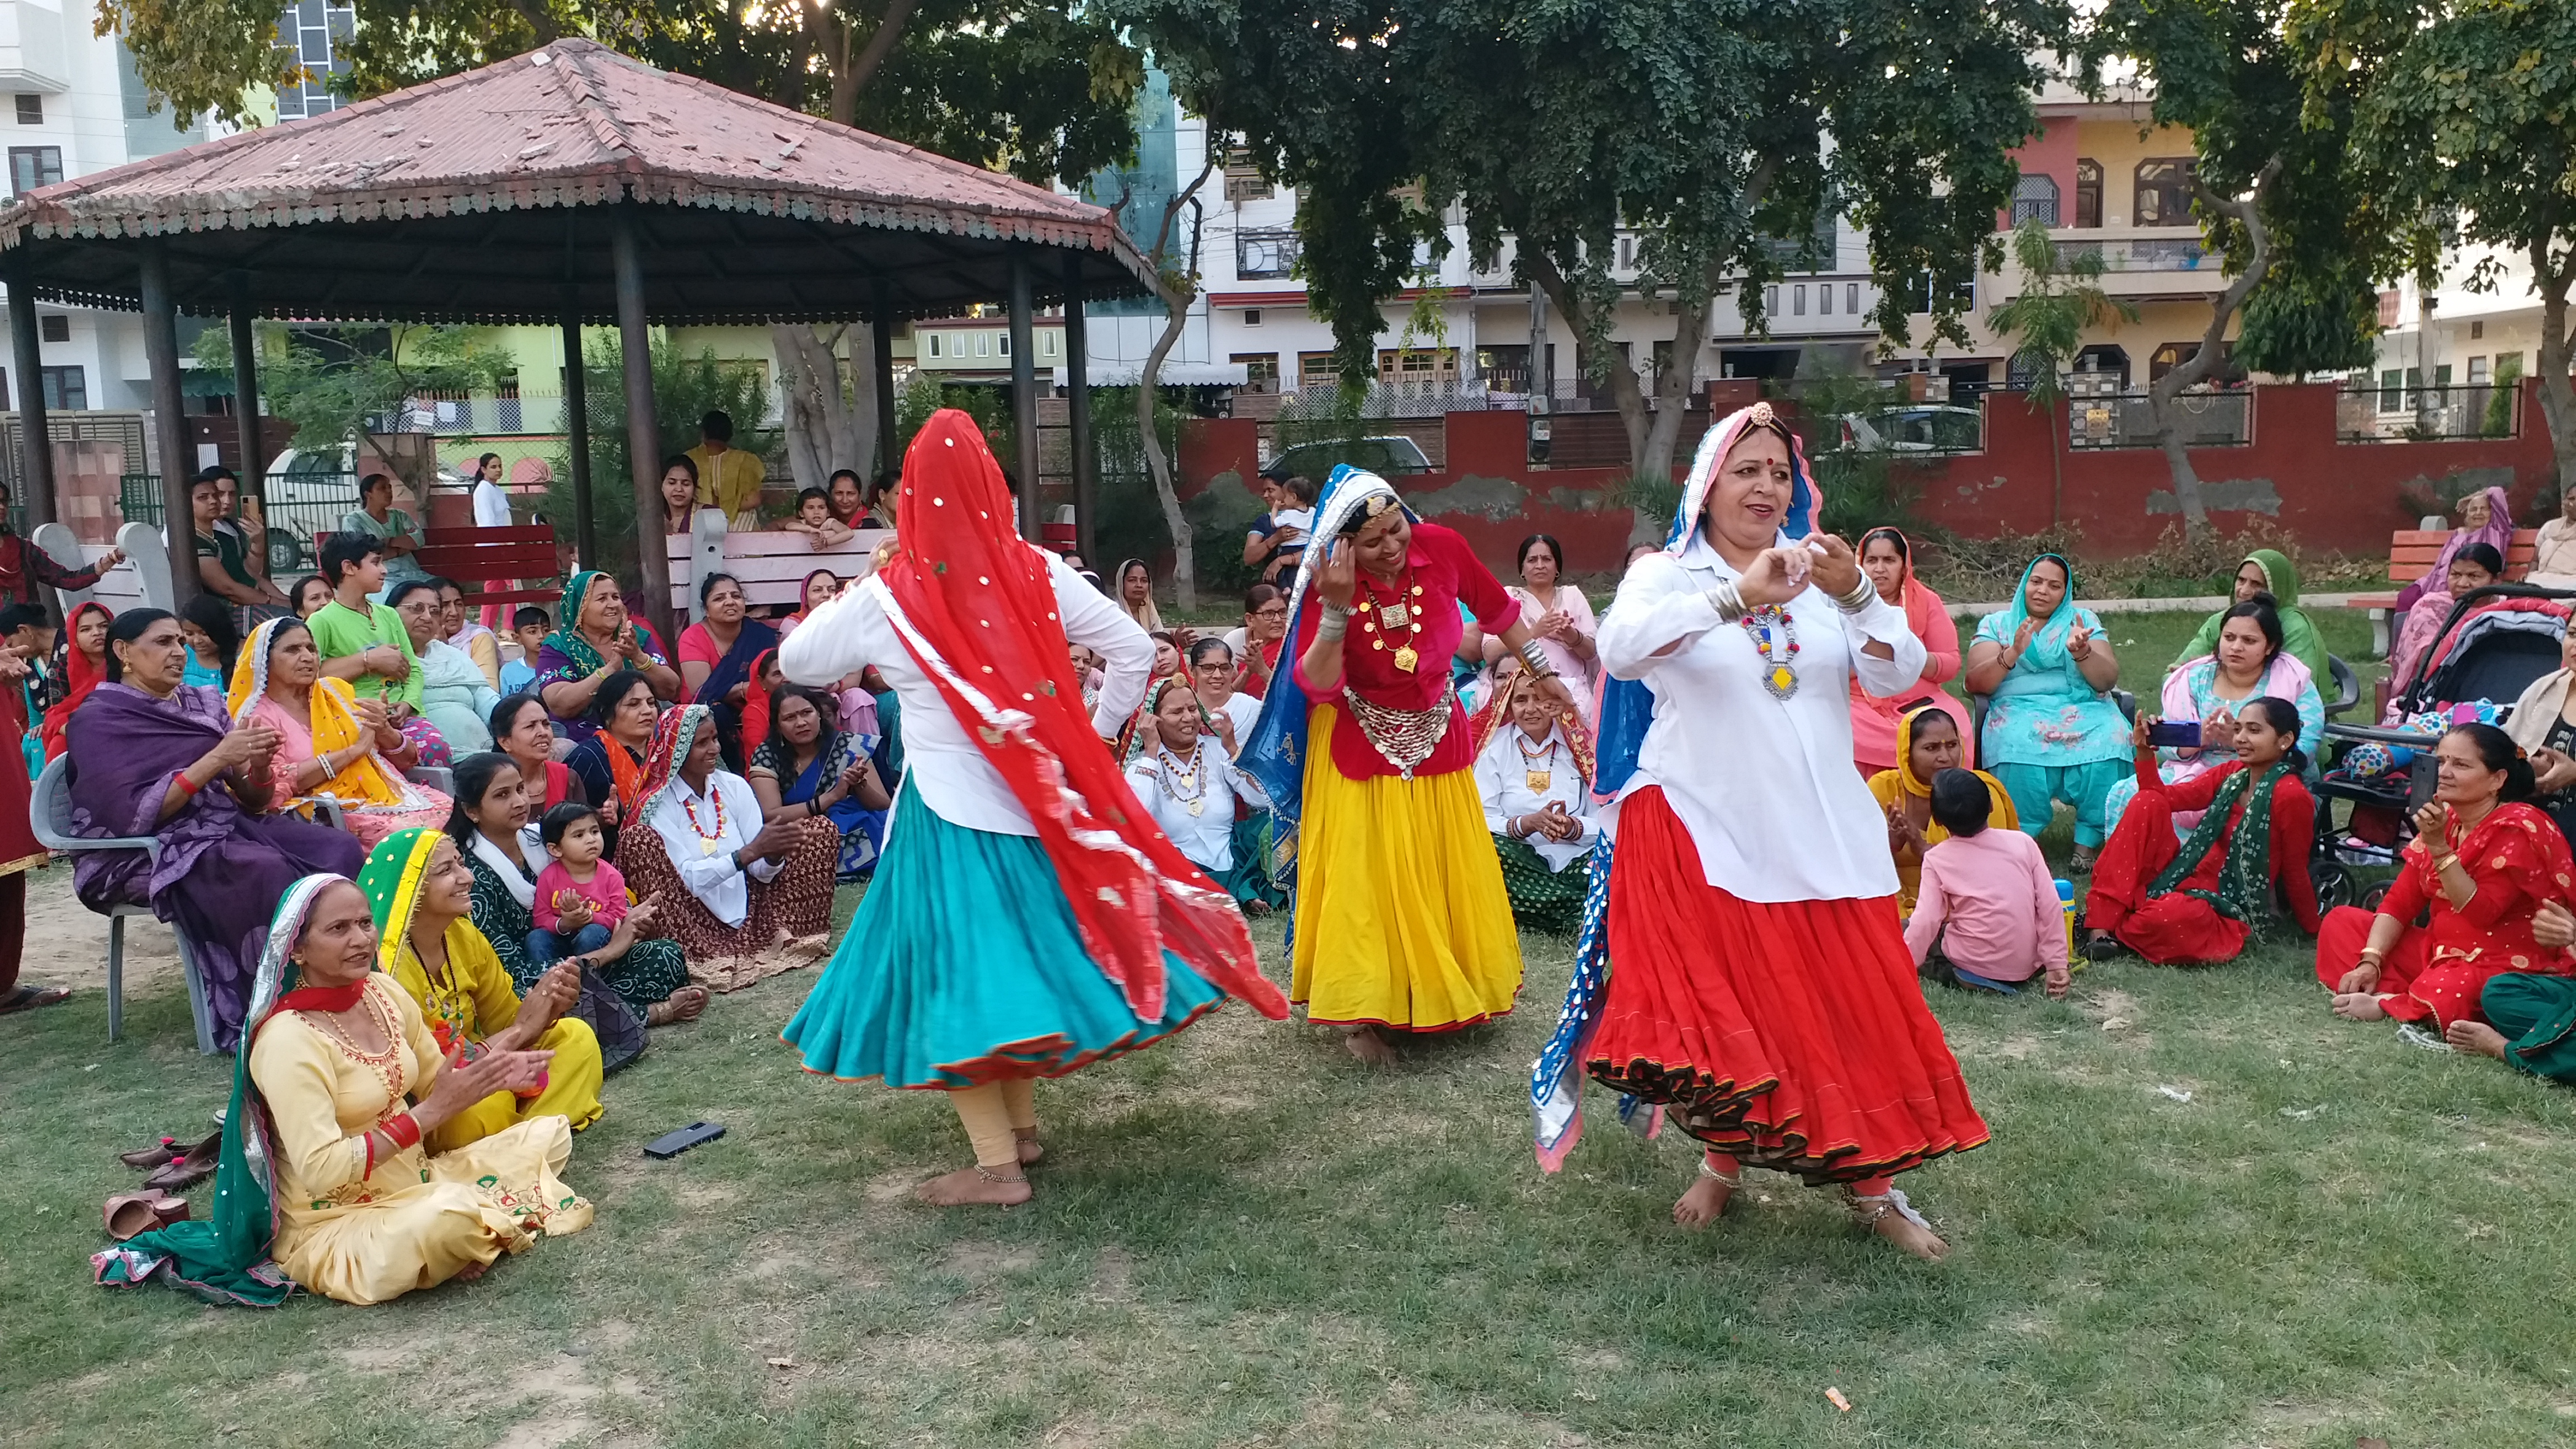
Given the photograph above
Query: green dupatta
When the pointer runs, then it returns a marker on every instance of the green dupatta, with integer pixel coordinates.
(2245, 876)
(224, 1257)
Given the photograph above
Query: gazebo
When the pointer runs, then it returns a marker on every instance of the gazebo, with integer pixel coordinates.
(564, 186)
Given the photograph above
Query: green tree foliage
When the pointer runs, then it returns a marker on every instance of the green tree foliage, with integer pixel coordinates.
(685, 389)
(2466, 111)
(1702, 127)
(333, 383)
(1040, 89)
(2274, 192)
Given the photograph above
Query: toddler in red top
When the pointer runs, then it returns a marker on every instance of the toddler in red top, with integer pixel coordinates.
(580, 897)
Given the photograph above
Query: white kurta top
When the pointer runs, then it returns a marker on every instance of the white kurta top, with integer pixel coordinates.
(1502, 779)
(1766, 787)
(940, 758)
(1207, 838)
(491, 505)
(711, 876)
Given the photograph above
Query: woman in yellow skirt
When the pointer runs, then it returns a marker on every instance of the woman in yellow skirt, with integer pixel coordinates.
(1401, 922)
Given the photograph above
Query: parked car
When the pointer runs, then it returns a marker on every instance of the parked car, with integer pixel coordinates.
(1922, 428)
(1388, 457)
(307, 494)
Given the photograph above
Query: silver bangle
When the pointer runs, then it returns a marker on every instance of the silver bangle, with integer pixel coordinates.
(1858, 597)
(1334, 624)
(1728, 601)
(1536, 660)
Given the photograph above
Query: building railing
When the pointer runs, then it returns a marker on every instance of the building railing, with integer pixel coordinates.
(2128, 420)
(474, 415)
(2443, 412)
(2142, 254)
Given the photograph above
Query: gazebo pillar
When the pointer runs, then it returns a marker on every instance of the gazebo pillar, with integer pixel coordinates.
(576, 396)
(643, 434)
(1077, 413)
(881, 336)
(36, 449)
(1024, 396)
(169, 425)
(246, 428)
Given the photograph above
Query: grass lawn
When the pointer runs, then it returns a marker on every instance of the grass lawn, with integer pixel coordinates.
(1243, 1238)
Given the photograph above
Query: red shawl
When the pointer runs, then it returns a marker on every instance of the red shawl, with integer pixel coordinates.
(85, 677)
(976, 609)
(755, 705)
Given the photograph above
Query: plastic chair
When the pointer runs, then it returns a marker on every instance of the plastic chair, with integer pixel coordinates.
(50, 813)
(2347, 686)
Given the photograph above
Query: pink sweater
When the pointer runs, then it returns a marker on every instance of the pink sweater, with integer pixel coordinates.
(605, 890)
(1989, 902)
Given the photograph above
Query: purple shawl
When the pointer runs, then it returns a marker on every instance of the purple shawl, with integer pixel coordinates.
(125, 746)
(2498, 532)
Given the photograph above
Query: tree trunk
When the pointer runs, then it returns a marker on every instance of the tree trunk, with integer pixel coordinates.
(1177, 288)
(830, 424)
(2557, 393)
(2161, 399)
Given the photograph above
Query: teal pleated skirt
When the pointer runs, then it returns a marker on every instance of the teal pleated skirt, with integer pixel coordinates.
(963, 967)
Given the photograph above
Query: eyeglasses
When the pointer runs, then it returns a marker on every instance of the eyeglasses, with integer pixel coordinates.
(1272, 611)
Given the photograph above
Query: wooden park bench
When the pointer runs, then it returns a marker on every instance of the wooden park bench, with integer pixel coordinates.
(772, 566)
(2411, 552)
(473, 557)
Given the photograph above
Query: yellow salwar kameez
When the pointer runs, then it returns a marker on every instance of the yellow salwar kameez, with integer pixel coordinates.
(1410, 921)
(421, 1216)
(1889, 787)
(470, 998)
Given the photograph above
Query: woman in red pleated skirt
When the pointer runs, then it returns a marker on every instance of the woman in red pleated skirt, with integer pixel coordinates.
(1759, 982)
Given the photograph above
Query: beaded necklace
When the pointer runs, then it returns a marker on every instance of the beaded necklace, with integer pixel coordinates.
(1189, 786)
(708, 842)
(1536, 778)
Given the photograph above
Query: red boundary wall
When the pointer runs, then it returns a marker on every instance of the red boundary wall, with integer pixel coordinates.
(2334, 496)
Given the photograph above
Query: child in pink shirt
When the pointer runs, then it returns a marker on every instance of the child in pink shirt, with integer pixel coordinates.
(1988, 916)
(580, 898)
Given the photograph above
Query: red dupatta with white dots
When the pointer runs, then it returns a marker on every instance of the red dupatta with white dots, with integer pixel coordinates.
(976, 609)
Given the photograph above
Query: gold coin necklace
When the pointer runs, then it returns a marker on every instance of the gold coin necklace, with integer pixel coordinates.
(1391, 615)
(1538, 771)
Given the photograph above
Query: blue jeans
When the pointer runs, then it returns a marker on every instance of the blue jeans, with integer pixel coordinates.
(547, 947)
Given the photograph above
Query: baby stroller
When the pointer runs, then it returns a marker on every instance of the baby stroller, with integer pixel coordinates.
(2497, 640)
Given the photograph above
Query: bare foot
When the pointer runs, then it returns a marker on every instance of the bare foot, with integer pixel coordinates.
(2358, 1006)
(1369, 1045)
(2476, 1036)
(2081, 862)
(1703, 1204)
(1030, 1151)
(684, 1004)
(970, 1185)
(1920, 1241)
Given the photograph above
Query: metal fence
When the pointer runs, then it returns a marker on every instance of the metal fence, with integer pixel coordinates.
(2127, 420)
(2396, 413)
(464, 415)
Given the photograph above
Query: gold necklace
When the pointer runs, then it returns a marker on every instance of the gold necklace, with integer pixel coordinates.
(1537, 779)
(1193, 781)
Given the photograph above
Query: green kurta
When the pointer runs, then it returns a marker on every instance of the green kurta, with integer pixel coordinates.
(340, 631)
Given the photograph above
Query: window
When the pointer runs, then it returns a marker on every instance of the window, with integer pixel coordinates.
(34, 166)
(983, 344)
(2477, 331)
(1851, 297)
(1771, 301)
(2397, 388)
(1314, 369)
(1627, 252)
(66, 388)
(1825, 300)
(1260, 254)
(1798, 300)
(31, 110)
(54, 327)
(934, 343)
(1251, 316)
(2164, 191)
(1002, 343)
(309, 33)
(1260, 370)
(1046, 343)
(2388, 309)
(2088, 192)
(1246, 185)
(2035, 199)
(2477, 372)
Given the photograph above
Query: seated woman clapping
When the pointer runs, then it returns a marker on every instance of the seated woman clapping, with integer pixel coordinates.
(329, 742)
(330, 1181)
(423, 898)
(2483, 863)
(1534, 770)
(1189, 784)
(2196, 902)
(744, 897)
(1927, 742)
